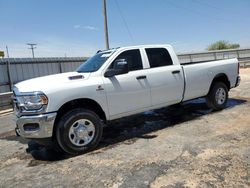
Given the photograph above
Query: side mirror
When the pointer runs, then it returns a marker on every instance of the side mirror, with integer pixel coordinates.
(120, 67)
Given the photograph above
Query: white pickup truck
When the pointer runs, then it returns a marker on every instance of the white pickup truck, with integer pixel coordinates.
(71, 108)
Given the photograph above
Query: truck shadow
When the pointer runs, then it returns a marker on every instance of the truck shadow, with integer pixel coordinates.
(141, 126)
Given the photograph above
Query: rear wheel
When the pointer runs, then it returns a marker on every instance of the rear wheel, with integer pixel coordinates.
(217, 96)
(79, 131)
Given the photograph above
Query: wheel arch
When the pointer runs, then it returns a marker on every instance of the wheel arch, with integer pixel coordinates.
(221, 77)
(86, 103)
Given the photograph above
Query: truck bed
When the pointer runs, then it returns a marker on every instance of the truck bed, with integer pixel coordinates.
(199, 76)
(197, 62)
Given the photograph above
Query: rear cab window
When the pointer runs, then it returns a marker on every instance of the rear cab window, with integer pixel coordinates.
(158, 57)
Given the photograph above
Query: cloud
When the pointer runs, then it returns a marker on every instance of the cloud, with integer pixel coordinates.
(77, 26)
(91, 27)
(88, 27)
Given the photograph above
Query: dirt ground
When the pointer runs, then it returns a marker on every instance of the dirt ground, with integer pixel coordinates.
(180, 146)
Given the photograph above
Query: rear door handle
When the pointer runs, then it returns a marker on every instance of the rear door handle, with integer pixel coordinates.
(176, 72)
(141, 77)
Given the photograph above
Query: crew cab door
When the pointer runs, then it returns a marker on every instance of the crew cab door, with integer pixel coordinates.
(128, 92)
(165, 79)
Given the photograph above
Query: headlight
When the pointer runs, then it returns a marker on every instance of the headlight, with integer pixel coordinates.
(32, 101)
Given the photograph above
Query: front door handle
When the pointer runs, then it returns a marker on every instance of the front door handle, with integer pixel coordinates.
(141, 77)
(176, 72)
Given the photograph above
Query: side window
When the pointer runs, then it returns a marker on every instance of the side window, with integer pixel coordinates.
(158, 57)
(133, 57)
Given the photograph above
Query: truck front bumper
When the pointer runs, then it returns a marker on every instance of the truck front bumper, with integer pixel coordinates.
(36, 126)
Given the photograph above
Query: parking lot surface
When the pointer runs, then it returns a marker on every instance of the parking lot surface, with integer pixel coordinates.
(186, 145)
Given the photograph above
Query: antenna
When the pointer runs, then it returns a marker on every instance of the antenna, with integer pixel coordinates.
(32, 47)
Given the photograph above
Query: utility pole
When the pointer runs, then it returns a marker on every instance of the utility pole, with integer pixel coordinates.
(7, 52)
(32, 47)
(8, 69)
(105, 24)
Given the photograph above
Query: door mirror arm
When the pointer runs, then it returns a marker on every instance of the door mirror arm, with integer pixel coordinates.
(110, 73)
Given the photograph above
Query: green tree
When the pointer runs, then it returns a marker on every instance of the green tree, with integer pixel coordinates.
(222, 45)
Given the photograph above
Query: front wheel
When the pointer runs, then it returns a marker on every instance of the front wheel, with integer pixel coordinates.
(217, 96)
(79, 131)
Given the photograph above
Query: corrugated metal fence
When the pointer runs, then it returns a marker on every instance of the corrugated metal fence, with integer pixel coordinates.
(13, 70)
(242, 55)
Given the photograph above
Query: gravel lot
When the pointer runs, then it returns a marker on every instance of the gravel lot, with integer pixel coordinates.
(184, 146)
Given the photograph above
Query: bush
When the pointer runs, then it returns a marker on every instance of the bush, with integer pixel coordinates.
(222, 45)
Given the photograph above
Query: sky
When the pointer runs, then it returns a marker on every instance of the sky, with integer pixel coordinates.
(76, 27)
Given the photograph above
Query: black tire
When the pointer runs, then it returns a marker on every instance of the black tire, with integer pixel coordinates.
(212, 99)
(65, 124)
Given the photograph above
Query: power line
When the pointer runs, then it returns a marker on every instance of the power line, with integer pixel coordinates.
(124, 21)
(32, 47)
(219, 10)
(207, 5)
(195, 12)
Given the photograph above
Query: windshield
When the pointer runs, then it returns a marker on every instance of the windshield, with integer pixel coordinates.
(95, 62)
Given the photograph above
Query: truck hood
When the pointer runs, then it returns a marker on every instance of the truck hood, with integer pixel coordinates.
(47, 83)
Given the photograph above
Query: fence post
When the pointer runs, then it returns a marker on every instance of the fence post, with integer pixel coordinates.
(215, 57)
(238, 54)
(60, 67)
(190, 57)
(9, 74)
